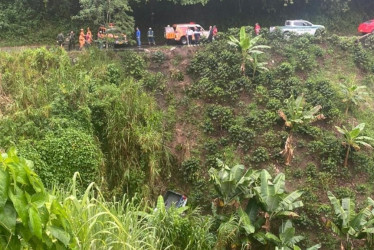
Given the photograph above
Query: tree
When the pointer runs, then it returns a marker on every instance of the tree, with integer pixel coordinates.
(107, 11)
(297, 115)
(247, 46)
(352, 93)
(348, 224)
(353, 140)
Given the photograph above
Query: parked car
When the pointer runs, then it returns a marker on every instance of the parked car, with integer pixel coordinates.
(299, 27)
(366, 27)
(178, 32)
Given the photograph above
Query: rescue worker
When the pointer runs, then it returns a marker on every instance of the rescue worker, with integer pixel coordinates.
(60, 39)
(189, 36)
(89, 36)
(82, 39)
(210, 36)
(151, 38)
(71, 40)
(257, 29)
(196, 34)
(137, 35)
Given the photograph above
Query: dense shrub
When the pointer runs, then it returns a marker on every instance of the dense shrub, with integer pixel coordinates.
(242, 136)
(190, 168)
(133, 64)
(158, 57)
(360, 57)
(67, 151)
(321, 92)
(260, 155)
(154, 81)
(221, 116)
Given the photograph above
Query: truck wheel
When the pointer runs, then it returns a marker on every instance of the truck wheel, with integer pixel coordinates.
(184, 40)
(318, 33)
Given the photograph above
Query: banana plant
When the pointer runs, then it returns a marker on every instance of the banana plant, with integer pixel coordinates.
(247, 46)
(257, 66)
(232, 183)
(353, 140)
(286, 240)
(297, 115)
(353, 94)
(350, 225)
(273, 199)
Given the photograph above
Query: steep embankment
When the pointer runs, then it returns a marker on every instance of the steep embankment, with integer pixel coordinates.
(218, 113)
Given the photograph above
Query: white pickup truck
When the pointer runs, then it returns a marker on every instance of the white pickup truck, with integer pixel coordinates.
(299, 27)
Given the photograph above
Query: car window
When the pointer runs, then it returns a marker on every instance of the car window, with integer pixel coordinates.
(307, 24)
(298, 23)
(288, 23)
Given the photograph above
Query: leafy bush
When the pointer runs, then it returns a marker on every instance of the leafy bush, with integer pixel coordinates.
(321, 92)
(242, 136)
(113, 74)
(158, 57)
(285, 70)
(261, 94)
(190, 169)
(260, 155)
(305, 61)
(360, 57)
(221, 116)
(68, 151)
(133, 64)
(153, 82)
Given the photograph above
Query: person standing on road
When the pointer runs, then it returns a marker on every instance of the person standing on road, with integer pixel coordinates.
(257, 29)
(151, 37)
(137, 35)
(89, 36)
(189, 36)
(71, 40)
(215, 31)
(210, 36)
(82, 40)
(197, 35)
(60, 39)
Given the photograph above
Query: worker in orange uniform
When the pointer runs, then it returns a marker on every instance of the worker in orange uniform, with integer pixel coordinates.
(82, 39)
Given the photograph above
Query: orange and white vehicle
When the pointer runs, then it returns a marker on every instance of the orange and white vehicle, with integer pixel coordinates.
(178, 32)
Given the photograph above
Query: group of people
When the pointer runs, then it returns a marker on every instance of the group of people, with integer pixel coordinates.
(84, 39)
(193, 36)
(150, 35)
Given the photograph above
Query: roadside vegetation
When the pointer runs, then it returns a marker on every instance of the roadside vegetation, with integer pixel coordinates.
(273, 156)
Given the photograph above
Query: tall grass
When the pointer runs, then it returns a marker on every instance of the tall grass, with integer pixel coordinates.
(131, 223)
(98, 224)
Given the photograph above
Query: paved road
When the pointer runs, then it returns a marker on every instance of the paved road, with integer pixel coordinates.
(20, 48)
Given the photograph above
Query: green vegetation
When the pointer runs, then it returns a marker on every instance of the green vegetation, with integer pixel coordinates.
(135, 124)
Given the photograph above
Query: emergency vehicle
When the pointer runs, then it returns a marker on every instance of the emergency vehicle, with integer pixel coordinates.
(111, 35)
(178, 32)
